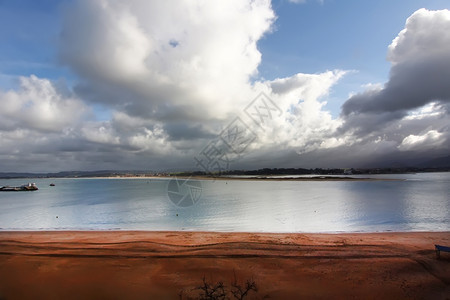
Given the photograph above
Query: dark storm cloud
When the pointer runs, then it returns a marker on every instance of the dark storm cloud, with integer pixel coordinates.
(183, 131)
(412, 84)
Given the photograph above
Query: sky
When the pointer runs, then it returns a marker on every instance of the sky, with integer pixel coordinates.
(216, 85)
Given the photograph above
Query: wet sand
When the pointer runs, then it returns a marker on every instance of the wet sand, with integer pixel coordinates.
(170, 265)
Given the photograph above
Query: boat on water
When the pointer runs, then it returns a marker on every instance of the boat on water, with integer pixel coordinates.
(25, 187)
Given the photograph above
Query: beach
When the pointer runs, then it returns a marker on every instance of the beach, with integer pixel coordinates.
(172, 265)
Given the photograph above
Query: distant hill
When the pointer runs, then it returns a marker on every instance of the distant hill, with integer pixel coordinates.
(436, 165)
(72, 174)
(20, 175)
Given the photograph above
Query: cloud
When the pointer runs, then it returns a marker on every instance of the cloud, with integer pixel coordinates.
(37, 124)
(40, 105)
(172, 76)
(166, 60)
(186, 70)
(304, 125)
(430, 139)
(420, 57)
(411, 108)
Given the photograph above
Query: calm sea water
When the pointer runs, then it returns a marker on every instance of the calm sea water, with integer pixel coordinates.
(419, 203)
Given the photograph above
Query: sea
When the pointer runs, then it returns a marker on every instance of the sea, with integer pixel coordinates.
(403, 202)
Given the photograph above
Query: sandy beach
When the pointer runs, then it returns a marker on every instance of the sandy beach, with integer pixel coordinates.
(171, 265)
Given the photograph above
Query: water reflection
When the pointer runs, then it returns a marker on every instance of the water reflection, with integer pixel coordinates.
(422, 202)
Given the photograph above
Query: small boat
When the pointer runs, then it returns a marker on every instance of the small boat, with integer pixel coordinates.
(52, 184)
(25, 187)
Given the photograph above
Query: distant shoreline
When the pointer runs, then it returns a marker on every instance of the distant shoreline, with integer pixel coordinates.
(259, 174)
(234, 178)
(309, 178)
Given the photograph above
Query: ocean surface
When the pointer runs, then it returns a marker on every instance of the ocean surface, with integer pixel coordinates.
(418, 202)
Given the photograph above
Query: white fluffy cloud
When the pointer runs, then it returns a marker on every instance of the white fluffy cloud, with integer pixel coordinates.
(430, 139)
(166, 59)
(425, 37)
(304, 124)
(39, 105)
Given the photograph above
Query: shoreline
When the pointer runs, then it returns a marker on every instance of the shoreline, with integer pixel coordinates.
(167, 264)
(136, 176)
(311, 178)
(255, 178)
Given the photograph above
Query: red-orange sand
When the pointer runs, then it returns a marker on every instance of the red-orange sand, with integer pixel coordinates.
(170, 265)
